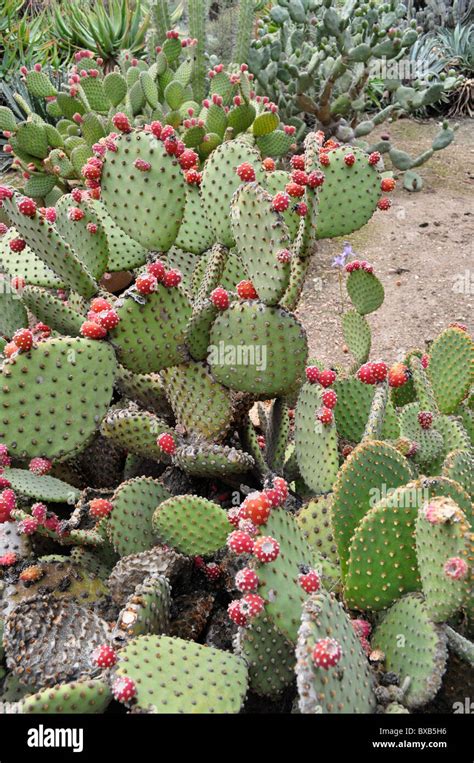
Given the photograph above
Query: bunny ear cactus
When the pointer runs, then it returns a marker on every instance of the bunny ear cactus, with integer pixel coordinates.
(443, 547)
(332, 672)
(196, 378)
(172, 675)
(414, 647)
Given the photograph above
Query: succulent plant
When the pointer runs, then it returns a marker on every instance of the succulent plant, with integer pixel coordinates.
(239, 476)
(316, 62)
(203, 106)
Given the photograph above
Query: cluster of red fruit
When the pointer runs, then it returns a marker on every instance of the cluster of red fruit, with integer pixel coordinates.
(101, 318)
(325, 378)
(156, 273)
(123, 688)
(40, 516)
(359, 265)
(24, 339)
(16, 244)
(248, 518)
(7, 496)
(375, 372)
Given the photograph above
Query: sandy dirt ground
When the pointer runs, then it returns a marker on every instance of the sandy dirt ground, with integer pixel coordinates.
(422, 251)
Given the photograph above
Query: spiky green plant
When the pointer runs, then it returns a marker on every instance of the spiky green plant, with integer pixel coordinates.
(175, 388)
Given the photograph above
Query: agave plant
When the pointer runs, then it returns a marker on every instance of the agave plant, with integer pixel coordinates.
(449, 51)
(105, 29)
(25, 38)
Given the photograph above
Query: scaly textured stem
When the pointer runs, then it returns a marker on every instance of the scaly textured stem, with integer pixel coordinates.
(373, 428)
(244, 31)
(460, 645)
(197, 30)
(161, 20)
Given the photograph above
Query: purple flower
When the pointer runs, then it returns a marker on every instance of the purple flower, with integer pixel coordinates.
(340, 260)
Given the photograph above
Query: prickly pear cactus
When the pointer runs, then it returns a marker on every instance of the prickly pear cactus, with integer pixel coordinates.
(345, 687)
(172, 675)
(413, 647)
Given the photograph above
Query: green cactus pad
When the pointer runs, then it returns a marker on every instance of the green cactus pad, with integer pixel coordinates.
(460, 645)
(216, 120)
(31, 137)
(115, 88)
(135, 430)
(151, 332)
(269, 656)
(260, 233)
(276, 143)
(414, 647)
(348, 687)
(123, 252)
(429, 441)
(97, 561)
(72, 381)
(451, 368)
(316, 443)
(246, 344)
(354, 400)
(357, 335)
(220, 180)
(354, 493)
(195, 234)
(382, 563)
(199, 328)
(52, 311)
(39, 85)
(135, 199)
(41, 488)
(92, 129)
(185, 262)
(47, 244)
(459, 466)
(435, 544)
(422, 385)
(146, 389)
(212, 272)
(455, 436)
(91, 248)
(26, 264)
(146, 611)
(38, 185)
(200, 405)
(177, 676)
(130, 527)
(212, 460)
(191, 525)
(7, 119)
(349, 196)
(276, 435)
(77, 697)
(279, 584)
(365, 290)
(274, 182)
(13, 315)
(315, 522)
